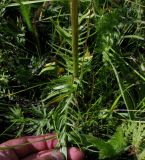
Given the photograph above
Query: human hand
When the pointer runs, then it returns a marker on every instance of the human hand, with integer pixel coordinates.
(36, 148)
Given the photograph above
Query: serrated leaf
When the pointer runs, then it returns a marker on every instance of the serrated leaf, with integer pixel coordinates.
(141, 156)
(118, 141)
(105, 149)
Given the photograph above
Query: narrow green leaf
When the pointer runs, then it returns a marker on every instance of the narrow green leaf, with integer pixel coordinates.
(50, 68)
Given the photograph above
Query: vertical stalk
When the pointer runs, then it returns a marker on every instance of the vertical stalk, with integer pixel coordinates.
(74, 24)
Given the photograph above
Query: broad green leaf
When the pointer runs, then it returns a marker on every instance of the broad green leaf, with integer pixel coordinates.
(105, 149)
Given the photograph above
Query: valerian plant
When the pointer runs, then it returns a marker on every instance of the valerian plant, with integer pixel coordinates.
(78, 68)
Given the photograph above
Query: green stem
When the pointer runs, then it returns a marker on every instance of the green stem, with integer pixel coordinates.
(74, 24)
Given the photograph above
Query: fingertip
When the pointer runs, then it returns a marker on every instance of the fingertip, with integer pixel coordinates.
(75, 154)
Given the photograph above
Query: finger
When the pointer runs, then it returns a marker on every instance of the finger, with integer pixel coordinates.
(7, 154)
(73, 154)
(30, 144)
(43, 142)
(46, 155)
(17, 145)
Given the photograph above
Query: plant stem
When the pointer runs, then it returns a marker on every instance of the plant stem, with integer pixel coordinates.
(74, 24)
